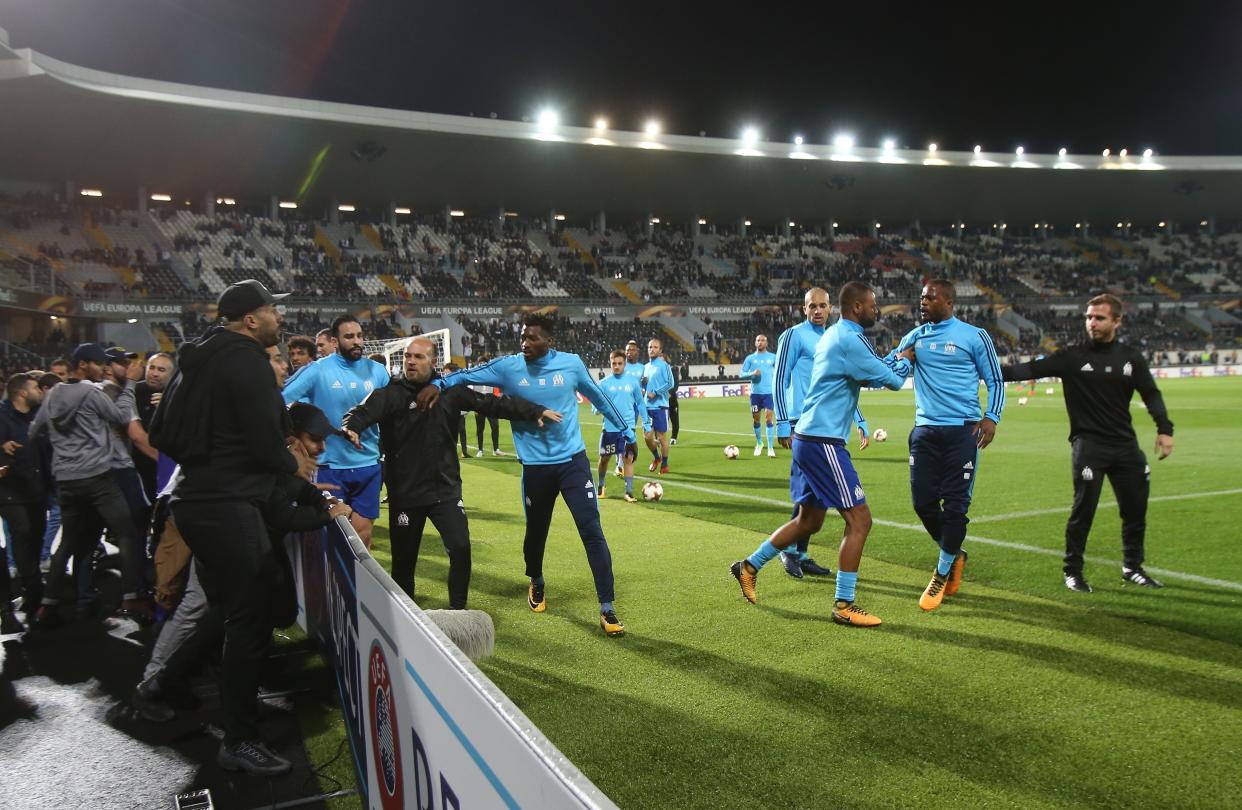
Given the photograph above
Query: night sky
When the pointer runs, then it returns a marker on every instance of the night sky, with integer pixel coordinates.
(1085, 76)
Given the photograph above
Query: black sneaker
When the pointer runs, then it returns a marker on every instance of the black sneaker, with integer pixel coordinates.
(1137, 576)
(10, 625)
(1077, 582)
(792, 563)
(149, 703)
(809, 566)
(253, 757)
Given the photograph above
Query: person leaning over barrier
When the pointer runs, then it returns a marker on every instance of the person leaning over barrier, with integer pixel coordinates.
(423, 472)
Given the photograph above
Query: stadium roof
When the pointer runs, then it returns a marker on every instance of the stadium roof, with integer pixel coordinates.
(117, 133)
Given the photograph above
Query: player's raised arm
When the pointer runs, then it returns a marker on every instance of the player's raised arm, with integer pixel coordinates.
(867, 366)
(1053, 366)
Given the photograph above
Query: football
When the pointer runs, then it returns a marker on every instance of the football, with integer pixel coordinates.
(653, 491)
(731, 451)
(880, 434)
(1021, 400)
(1050, 391)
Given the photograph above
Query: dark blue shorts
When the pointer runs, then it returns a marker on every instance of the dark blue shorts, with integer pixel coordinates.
(611, 443)
(760, 402)
(359, 487)
(657, 419)
(822, 474)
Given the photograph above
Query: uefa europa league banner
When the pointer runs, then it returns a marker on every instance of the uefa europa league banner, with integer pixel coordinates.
(426, 727)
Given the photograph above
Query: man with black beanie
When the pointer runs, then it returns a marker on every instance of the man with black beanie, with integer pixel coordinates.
(222, 419)
(1100, 376)
(423, 472)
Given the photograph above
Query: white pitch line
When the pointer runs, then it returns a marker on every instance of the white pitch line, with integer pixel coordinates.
(1103, 504)
(972, 538)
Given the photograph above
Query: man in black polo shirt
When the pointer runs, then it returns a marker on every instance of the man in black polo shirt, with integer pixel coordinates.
(1100, 376)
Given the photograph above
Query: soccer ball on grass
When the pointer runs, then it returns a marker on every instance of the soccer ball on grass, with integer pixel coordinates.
(731, 451)
(880, 434)
(1021, 400)
(653, 491)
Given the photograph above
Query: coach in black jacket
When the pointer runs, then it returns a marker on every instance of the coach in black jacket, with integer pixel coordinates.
(421, 467)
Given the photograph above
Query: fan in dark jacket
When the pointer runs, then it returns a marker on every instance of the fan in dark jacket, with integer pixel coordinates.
(23, 495)
(422, 471)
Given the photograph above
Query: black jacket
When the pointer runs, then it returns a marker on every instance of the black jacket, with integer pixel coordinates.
(1099, 379)
(26, 481)
(222, 419)
(420, 447)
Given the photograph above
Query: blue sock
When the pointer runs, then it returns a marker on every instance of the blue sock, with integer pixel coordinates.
(603, 478)
(757, 439)
(655, 454)
(663, 461)
(763, 554)
(629, 485)
(945, 563)
(771, 444)
(539, 579)
(802, 555)
(604, 607)
(846, 582)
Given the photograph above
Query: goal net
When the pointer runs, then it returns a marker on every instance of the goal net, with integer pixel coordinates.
(393, 350)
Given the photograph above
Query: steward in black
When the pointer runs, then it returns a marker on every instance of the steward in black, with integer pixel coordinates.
(1100, 377)
(421, 468)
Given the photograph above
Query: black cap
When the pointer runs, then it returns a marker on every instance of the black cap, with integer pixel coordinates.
(307, 418)
(117, 354)
(245, 296)
(90, 353)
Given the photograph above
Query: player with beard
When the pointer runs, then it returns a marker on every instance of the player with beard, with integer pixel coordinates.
(159, 371)
(335, 384)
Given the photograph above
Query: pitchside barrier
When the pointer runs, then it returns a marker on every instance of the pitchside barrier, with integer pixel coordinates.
(426, 727)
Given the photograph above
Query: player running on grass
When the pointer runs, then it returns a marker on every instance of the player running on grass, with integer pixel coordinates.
(554, 459)
(626, 395)
(795, 355)
(948, 434)
(760, 367)
(825, 479)
(634, 370)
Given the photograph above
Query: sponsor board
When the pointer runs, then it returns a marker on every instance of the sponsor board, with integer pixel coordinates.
(426, 727)
(121, 308)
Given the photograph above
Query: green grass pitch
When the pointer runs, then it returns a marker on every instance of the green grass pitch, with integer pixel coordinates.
(1015, 693)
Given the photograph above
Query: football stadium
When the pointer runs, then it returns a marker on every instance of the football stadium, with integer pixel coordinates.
(359, 454)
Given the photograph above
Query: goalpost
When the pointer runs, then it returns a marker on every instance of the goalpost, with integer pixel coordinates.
(394, 349)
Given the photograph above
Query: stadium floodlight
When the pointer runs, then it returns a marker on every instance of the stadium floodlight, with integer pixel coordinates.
(91, 192)
(1123, 153)
(601, 124)
(1062, 151)
(962, 225)
(1020, 151)
(161, 198)
(548, 120)
(55, 318)
(836, 225)
(1106, 152)
(747, 223)
(843, 141)
(1004, 225)
(978, 148)
(889, 144)
(750, 136)
(652, 127)
(132, 320)
(1148, 153)
(288, 204)
(225, 201)
(345, 207)
(402, 211)
(1160, 224)
(1077, 224)
(792, 224)
(457, 212)
(1118, 224)
(878, 225)
(655, 220)
(797, 140)
(1036, 226)
(702, 221)
(559, 217)
(1203, 223)
(931, 147)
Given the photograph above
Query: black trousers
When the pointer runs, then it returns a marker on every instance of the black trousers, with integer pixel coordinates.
(494, 423)
(943, 459)
(541, 483)
(461, 434)
(85, 504)
(1126, 469)
(405, 528)
(26, 523)
(237, 571)
(674, 415)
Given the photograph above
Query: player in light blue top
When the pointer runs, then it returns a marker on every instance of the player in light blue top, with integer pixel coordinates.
(626, 394)
(950, 427)
(634, 370)
(760, 367)
(659, 381)
(825, 478)
(554, 459)
(334, 384)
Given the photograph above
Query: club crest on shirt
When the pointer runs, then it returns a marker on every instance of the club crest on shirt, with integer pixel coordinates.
(858, 493)
(368, 385)
(1127, 370)
(557, 379)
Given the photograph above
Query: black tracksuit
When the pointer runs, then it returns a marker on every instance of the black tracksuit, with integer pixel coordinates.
(1099, 380)
(23, 505)
(423, 473)
(223, 420)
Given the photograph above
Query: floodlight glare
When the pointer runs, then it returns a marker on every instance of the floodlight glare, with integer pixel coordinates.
(889, 144)
(652, 127)
(702, 221)
(1020, 151)
(750, 136)
(1106, 152)
(931, 147)
(1062, 151)
(1147, 153)
(655, 220)
(1161, 225)
(1123, 153)
(601, 124)
(345, 207)
(747, 223)
(288, 204)
(548, 120)
(91, 192)
(161, 198)
(559, 217)
(457, 212)
(797, 140)
(132, 320)
(843, 141)
(978, 149)
(402, 211)
(793, 224)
